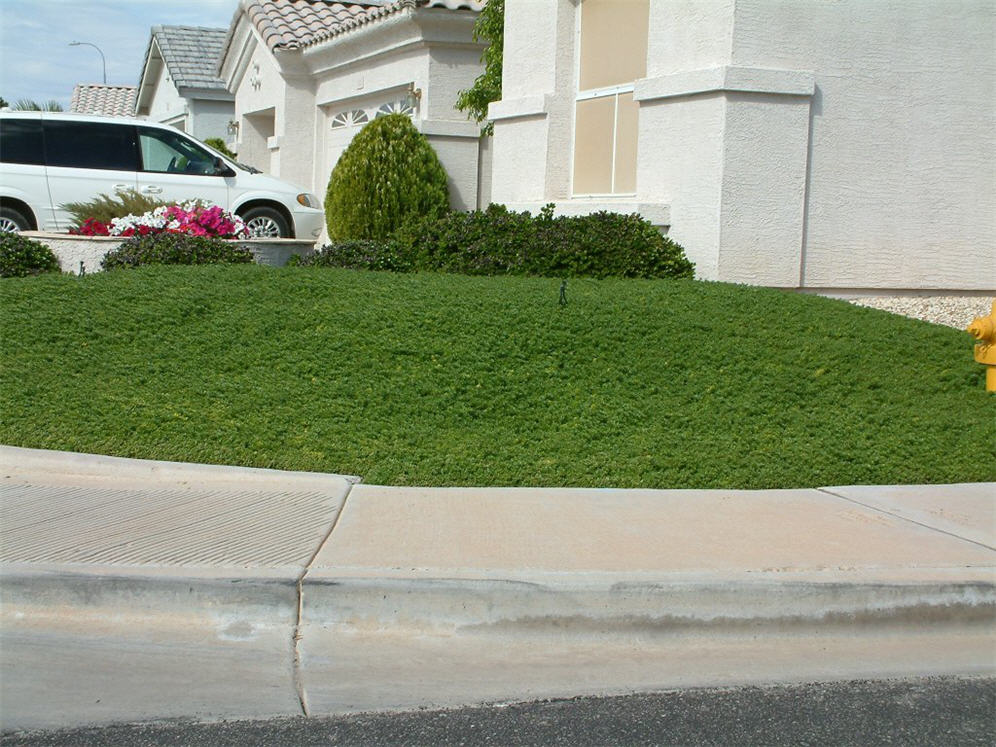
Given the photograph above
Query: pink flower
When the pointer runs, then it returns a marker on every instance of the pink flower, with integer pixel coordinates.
(190, 217)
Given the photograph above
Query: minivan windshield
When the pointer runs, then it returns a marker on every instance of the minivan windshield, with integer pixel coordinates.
(243, 166)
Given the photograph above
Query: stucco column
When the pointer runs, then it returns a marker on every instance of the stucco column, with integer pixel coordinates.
(296, 132)
(725, 145)
(727, 148)
(533, 119)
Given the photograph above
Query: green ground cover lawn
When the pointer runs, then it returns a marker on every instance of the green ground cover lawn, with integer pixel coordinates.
(448, 380)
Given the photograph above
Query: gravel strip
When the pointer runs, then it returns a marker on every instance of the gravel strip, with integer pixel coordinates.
(953, 311)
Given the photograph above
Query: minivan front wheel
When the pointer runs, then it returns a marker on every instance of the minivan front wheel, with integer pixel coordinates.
(266, 223)
(11, 221)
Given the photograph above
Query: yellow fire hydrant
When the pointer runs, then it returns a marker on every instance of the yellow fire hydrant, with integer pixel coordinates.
(983, 329)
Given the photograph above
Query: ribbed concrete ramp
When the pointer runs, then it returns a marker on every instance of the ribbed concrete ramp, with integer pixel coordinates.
(166, 528)
(136, 590)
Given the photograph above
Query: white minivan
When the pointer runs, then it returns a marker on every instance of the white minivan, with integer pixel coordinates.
(50, 159)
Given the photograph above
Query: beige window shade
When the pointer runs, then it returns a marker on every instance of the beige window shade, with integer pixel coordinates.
(613, 42)
(627, 135)
(595, 120)
(605, 137)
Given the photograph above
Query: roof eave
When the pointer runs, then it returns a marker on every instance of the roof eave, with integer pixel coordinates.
(146, 87)
(213, 93)
(397, 31)
(233, 59)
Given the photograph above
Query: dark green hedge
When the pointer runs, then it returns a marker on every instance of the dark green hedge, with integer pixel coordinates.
(21, 256)
(498, 241)
(363, 254)
(175, 249)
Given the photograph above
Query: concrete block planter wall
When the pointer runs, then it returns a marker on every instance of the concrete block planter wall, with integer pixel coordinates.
(85, 252)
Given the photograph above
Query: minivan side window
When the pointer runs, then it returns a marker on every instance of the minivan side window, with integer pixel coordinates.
(91, 145)
(168, 152)
(21, 142)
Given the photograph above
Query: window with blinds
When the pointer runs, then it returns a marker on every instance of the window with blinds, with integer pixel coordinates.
(612, 56)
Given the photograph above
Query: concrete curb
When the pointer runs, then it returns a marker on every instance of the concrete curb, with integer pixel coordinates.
(162, 590)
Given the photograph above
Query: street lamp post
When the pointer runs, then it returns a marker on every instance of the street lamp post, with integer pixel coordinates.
(102, 60)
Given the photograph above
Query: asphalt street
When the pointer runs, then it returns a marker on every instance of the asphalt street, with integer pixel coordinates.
(927, 711)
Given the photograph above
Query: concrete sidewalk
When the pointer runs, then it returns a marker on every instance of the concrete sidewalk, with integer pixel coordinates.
(137, 590)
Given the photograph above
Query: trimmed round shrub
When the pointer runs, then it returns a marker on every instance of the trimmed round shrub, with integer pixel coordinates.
(21, 256)
(363, 254)
(175, 249)
(500, 242)
(388, 174)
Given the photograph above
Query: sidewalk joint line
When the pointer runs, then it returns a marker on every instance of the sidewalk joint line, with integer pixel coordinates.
(905, 518)
(302, 695)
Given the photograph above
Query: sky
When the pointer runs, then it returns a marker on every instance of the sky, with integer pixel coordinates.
(36, 61)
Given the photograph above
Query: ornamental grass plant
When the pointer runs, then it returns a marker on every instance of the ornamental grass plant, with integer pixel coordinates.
(104, 208)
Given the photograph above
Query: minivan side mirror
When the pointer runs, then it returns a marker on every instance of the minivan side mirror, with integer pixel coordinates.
(222, 169)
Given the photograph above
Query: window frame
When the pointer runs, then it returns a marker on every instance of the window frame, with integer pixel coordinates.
(588, 95)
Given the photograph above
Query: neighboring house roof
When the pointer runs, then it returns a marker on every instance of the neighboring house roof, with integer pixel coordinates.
(293, 24)
(190, 54)
(97, 98)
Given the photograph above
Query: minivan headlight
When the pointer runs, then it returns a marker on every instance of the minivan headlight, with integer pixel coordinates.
(308, 200)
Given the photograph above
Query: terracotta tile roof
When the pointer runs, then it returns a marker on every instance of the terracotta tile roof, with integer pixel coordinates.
(96, 98)
(191, 54)
(293, 24)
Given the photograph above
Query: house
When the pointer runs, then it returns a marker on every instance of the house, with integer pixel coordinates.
(97, 98)
(179, 86)
(308, 74)
(819, 145)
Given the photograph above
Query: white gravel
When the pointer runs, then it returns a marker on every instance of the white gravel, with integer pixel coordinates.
(953, 311)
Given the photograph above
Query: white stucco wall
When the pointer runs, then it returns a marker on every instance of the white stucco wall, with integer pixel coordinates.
(210, 118)
(294, 159)
(841, 144)
(485, 160)
(518, 164)
(458, 155)
(685, 171)
(450, 70)
(259, 88)
(763, 188)
(166, 104)
(689, 35)
(903, 154)
(533, 120)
